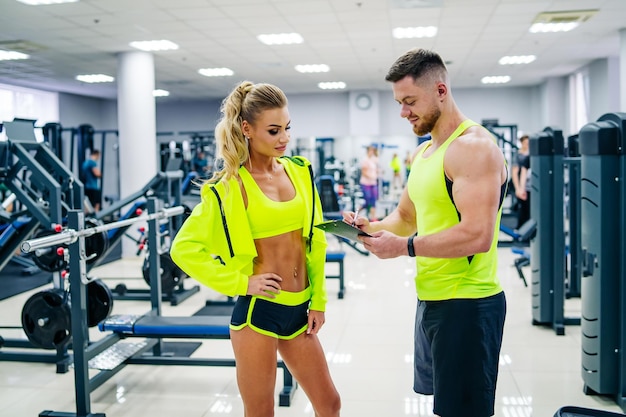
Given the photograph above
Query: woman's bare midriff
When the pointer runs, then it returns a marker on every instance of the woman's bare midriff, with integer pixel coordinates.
(283, 255)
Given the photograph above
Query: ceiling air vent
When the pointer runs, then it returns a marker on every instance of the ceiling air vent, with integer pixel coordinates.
(20, 46)
(414, 4)
(562, 21)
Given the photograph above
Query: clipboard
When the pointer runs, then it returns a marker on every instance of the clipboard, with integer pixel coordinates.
(341, 228)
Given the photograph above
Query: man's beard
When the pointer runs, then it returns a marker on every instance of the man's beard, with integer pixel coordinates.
(427, 123)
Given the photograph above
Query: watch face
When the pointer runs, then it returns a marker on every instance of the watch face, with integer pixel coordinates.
(363, 101)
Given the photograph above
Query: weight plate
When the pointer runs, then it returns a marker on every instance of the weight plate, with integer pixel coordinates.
(47, 320)
(171, 275)
(99, 302)
(95, 245)
(47, 259)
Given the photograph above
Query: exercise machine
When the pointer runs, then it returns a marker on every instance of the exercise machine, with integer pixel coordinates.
(603, 284)
(332, 209)
(548, 250)
(45, 190)
(151, 327)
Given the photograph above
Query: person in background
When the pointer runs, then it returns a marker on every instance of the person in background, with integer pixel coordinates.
(93, 175)
(253, 237)
(407, 165)
(519, 175)
(199, 163)
(369, 182)
(448, 218)
(396, 167)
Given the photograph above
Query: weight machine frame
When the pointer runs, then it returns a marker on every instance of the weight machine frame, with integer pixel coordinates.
(83, 349)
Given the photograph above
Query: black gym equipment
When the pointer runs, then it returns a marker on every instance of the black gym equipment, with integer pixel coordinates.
(152, 327)
(506, 138)
(548, 248)
(46, 315)
(603, 237)
(165, 186)
(46, 319)
(522, 238)
(40, 181)
(332, 209)
(99, 302)
(571, 411)
(171, 275)
(45, 191)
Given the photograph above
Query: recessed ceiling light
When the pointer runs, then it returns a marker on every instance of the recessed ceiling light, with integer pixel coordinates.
(160, 93)
(45, 2)
(415, 32)
(216, 72)
(552, 27)
(516, 59)
(95, 78)
(307, 68)
(12, 55)
(496, 79)
(280, 38)
(150, 46)
(335, 85)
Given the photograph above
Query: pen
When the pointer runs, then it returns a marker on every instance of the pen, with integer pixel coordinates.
(356, 214)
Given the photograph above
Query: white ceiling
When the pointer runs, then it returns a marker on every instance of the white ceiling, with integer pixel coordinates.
(353, 37)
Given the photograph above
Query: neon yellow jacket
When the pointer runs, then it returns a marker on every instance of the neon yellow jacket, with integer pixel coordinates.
(202, 250)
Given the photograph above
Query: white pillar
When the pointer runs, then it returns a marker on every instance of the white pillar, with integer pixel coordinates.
(136, 118)
(622, 70)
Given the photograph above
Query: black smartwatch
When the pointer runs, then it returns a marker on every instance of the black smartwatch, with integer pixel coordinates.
(409, 244)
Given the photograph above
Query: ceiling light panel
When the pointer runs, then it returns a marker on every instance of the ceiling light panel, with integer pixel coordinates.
(281, 38)
(552, 27)
(12, 55)
(45, 2)
(216, 72)
(335, 85)
(160, 93)
(517, 59)
(415, 32)
(95, 78)
(312, 68)
(495, 79)
(153, 46)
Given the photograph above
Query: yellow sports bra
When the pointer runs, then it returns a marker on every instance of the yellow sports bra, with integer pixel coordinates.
(267, 217)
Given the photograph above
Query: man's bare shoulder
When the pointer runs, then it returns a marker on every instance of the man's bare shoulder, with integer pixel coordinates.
(477, 149)
(475, 139)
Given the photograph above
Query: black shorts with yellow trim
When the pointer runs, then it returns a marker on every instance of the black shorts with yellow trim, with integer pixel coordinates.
(283, 317)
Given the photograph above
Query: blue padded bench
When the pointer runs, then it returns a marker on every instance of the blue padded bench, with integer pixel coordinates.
(204, 327)
(337, 257)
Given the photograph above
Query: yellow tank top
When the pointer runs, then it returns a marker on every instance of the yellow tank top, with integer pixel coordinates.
(268, 217)
(431, 193)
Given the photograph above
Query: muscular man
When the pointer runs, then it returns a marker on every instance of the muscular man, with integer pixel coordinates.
(448, 218)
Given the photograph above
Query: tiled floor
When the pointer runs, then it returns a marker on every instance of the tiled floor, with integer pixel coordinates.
(367, 338)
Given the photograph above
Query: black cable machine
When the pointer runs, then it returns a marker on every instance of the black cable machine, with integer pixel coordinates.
(603, 289)
(548, 249)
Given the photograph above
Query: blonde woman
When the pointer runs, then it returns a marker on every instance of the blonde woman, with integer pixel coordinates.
(253, 237)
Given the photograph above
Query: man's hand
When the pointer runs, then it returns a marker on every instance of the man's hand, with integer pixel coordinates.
(385, 245)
